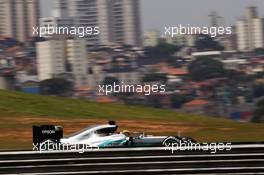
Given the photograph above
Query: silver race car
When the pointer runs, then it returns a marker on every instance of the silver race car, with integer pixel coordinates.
(103, 136)
(107, 136)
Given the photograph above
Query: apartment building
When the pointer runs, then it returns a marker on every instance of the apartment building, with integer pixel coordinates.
(182, 40)
(151, 38)
(242, 37)
(250, 31)
(51, 23)
(118, 20)
(125, 22)
(62, 57)
(50, 59)
(17, 18)
(77, 61)
(60, 8)
(258, 31)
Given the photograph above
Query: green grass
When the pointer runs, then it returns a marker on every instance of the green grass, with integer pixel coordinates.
(17, 105)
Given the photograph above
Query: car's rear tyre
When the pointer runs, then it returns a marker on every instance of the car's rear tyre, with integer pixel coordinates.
(48, 145)
(171, 141)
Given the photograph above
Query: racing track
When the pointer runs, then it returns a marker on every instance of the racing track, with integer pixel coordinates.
(242, 159)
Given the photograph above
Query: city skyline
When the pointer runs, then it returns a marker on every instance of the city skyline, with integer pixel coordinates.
(18, 17)
(198, 11)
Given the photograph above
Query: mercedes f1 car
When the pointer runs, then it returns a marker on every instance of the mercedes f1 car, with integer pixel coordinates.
(104, 136)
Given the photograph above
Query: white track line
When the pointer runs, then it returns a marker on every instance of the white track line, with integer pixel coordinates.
(120, 149)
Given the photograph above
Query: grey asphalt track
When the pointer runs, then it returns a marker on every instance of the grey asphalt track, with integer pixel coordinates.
(242, 159)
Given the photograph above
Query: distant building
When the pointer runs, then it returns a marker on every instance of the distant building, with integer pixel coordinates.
(18, 17)
(258, 31)
(50, 59)
(127, 76)
(215, 19)
(212, 54)
(118, 20)
(62, 57)
(76, 61)
(182, 40)
(197, 106)
(228, 41)
(234, 63)
(52, 23)
(124, 75)
(31, 87)
(4, 84)
(151, 38)
(60, 8)
(250, 31)
(22, 76)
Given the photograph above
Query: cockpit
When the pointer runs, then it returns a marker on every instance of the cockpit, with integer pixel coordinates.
(96, 130)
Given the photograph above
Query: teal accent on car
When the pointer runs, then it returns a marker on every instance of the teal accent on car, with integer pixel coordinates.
(113, 143)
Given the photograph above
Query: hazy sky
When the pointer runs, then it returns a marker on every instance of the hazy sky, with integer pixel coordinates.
(159, 13)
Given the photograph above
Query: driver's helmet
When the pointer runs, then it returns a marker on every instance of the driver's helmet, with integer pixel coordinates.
(126, 132)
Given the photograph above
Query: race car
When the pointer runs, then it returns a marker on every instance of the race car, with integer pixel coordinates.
(97, 136)
(103, 136)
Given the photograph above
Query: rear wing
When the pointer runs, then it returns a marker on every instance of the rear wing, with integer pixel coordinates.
(42, 133)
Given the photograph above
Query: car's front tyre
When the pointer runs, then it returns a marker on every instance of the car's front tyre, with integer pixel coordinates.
(188, 140)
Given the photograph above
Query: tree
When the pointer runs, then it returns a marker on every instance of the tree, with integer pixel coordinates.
(178, 100)
(238, 76)
(206, 43)
(174, 61)
(259, 51)
(154, 101)
(162, 49)
(258, 90)
(110, 81)
(55, 86)
(155, 77)
(205, 68)
(259, 112)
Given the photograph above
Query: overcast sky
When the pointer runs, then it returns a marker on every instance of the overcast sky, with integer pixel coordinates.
(159, 13)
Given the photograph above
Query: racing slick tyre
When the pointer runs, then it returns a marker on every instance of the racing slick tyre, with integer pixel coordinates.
(48, 145)
(170, 141)
(129, 142)
(188, 140)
